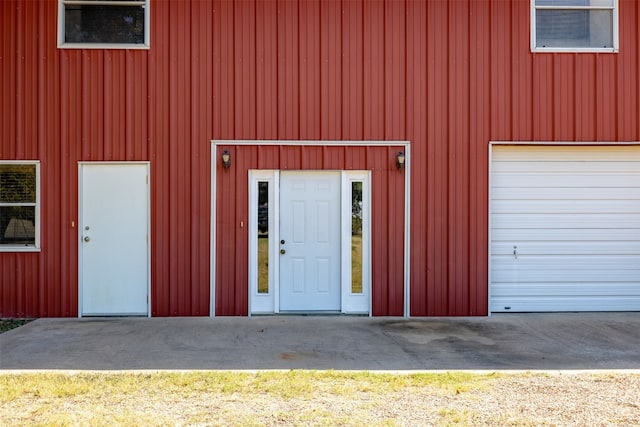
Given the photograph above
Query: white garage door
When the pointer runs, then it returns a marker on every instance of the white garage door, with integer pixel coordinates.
(565, 228)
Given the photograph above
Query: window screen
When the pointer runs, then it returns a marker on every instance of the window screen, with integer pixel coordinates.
(112, 22)
(18, 204)
(580, 24)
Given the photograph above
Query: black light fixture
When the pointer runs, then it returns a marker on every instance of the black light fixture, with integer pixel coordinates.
(400, 159)
(226, 159)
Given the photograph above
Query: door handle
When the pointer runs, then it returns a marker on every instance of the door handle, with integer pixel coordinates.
(86, 238)
(282, 252)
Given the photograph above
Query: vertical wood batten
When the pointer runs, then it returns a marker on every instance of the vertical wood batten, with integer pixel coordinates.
(309, 67)
(437, 161)
(458, 159)
(479, 126)
(627, 72)
(158, 105)
(373, 70)
(202, 128)
(288, 96)
(266, 70)
(352, 48)
(417, 132)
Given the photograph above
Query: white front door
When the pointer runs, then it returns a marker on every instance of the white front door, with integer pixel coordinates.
(113, 231)
(310, 241)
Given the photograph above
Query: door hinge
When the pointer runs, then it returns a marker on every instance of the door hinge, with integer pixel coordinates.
(146, 178)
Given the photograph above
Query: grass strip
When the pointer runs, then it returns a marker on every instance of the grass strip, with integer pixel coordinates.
(220, 398)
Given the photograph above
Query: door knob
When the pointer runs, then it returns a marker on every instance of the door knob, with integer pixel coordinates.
(86, 238)
(282, 251)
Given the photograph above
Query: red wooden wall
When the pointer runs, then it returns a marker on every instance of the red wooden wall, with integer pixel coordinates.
(447, 75)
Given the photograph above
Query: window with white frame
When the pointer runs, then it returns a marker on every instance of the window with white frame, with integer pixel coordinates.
(103, 24)
(574, 25)
(19, 205)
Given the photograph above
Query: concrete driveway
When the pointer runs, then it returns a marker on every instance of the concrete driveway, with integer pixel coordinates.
(530, 342)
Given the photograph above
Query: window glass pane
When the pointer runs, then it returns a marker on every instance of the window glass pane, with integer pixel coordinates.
(356, 237)
(574, 28)
(263, 237)
(597, 3)
(17, 183)
(104, 24)
(17, 225)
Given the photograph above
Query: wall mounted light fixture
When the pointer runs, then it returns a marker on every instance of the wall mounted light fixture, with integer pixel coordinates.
(400, 160)
(226, 159)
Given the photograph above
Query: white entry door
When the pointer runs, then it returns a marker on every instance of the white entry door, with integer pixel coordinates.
(113, 230)
(310, 241)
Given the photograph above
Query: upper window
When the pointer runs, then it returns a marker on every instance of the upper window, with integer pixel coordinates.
(19, 206)
(574, 25)
(98, 24)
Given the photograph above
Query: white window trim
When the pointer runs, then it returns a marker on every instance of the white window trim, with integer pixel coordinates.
(147, 25)
(615, 29)
(35, 247)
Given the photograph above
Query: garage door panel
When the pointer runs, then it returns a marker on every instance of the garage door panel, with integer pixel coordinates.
(525, 263)
(559, 221)
(590, 167)
(564, 193)
(565, 206)
(517, 236)
(550, 270)
(553, 180)
(559, 289)
(572, 303)
(582, 276)
(566, 248)
(530, 153)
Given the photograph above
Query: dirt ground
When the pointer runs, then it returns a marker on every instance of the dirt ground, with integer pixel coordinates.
(520, 399)
(514, 400)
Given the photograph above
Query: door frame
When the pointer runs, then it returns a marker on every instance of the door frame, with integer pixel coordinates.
(81, 166)
(215, 164)
(270, 303)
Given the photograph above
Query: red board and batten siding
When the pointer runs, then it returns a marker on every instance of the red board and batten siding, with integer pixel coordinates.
(448, 76)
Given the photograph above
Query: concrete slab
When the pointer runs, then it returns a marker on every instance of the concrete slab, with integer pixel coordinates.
(511, 342)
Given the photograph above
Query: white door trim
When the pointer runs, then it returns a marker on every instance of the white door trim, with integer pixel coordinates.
(407, 201)
(81, 165)
(269, 302)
